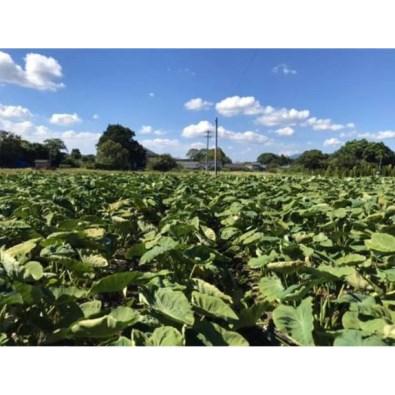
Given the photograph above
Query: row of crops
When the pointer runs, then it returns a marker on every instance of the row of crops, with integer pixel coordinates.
(153, 260)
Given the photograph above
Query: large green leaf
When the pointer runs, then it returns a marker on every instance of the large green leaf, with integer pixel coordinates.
(116, 282)
(381, 242)
(271, 288)
(297, 323)
(213, 306)
(166, 336)
(210, 289)
(351, 337)
(107, 325)
(212, 334)
(174, 305)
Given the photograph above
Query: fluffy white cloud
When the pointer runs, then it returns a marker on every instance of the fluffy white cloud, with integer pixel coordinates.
(199, 130)
(40, 72)
(237, 105)
(19, 127)
(331, 142)
(197, 104)
(95, 116)
(64, 119)
(327, 124)
(282, 116)
(148, 129)
(14, 112)
(287, 131)
(283, 69)
(381, 135)
(161, 142)
(197, 145)
(160, 145)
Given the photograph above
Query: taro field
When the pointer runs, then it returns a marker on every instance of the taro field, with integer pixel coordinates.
(135, 259)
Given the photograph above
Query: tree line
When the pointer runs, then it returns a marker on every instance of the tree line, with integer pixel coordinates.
(117, 149)
(354, 158)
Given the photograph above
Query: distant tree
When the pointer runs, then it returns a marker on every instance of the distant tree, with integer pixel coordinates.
(56, 148)
(124, 137)
(313, 160)
(112, 156)
(11, 150)
(192, 154)
(355, 152)
(273, 160)
(200, 155)
(34, 151)
(162, 163)
(75, 154)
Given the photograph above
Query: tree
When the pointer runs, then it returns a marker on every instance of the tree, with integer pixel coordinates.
(272, 160)
(162, 163)
(34, 151)
(75, 154)
(192, 154)
(55, 150)
(112, 156)
(123, 136)
(200, 155)
(355, 152)
(313, 160)
(10, 149)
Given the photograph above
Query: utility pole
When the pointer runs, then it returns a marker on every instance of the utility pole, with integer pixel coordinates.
(208, 137)
(216, 147)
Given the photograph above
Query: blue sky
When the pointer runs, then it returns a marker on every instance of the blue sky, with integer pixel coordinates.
(282, 101)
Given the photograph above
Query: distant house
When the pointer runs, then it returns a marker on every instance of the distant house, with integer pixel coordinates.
(189, 164)
(42, 164)
(211, 165)
(254, 166)
(234, 166)
(251, 166)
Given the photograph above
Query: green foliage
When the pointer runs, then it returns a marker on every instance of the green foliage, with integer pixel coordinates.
(112, 156)
(313, 160)
(118, 140)
(199, 155)
(162, 163)
(172, 260)
(272, 160)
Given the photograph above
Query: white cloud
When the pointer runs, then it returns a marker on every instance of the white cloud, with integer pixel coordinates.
(199, 130)
(148, 129)
(64, 119)
(282, 116)
(85, 141)
(381, 135)
(14, 112)
(327, 124)
(151, 94)
(197, 104)
(20, 127)
(160, 145)
(237, 105)
(40, 72)
(331, 142)
(95, 116)
(287, 131)
(197, 145)
(283, 69)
